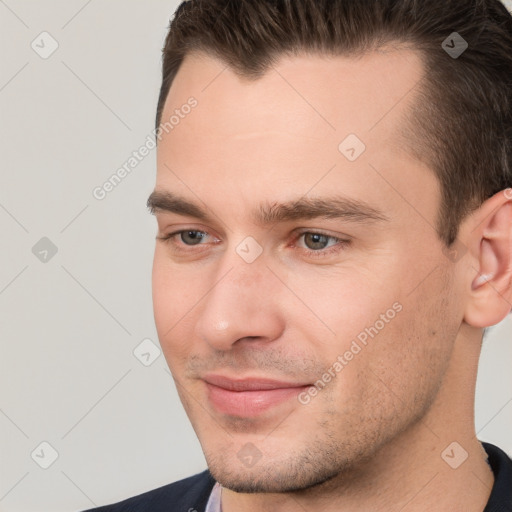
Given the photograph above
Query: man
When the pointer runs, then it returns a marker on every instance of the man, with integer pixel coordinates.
(334, 211)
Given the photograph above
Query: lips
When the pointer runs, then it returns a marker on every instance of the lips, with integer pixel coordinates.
(251, 396)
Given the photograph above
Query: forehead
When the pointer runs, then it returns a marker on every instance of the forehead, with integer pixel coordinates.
(287, 129)
(304, 95)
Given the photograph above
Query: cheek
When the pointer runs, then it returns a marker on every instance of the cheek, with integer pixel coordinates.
(410, 360)
(176, 288)
(349, 301)
(394, 352)
(163, 290)
(175, 293)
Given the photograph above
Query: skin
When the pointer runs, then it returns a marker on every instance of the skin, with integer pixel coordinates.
(372, 439)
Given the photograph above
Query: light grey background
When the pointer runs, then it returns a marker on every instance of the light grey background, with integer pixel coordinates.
(69, 326)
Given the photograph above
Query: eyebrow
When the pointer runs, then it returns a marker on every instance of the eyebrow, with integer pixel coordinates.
(333, 207)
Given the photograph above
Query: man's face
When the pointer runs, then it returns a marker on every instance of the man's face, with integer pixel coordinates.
(361, 303)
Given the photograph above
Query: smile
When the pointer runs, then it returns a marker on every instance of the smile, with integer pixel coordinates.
(249, 397)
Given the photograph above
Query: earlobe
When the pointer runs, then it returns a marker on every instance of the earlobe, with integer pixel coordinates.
(490, 293)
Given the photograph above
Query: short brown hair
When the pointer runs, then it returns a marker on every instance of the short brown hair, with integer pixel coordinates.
(461, 123)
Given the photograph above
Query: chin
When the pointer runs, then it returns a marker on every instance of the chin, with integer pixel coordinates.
(289, 476)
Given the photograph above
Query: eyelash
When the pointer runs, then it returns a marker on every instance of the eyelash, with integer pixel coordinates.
(341, 243)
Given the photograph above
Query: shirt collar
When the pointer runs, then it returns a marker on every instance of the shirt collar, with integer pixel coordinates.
(214, 504)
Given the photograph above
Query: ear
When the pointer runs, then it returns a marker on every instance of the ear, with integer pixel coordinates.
(489, 283)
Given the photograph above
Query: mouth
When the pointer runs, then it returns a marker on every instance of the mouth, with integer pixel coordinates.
(251, 396)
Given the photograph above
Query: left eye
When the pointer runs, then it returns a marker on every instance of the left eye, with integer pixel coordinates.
(194, 236)
(188, 237)
(316, 241)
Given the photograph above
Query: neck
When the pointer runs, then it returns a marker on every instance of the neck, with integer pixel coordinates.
(414, 479)
(426, 467)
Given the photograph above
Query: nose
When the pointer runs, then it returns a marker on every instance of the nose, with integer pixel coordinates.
(241, 306)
